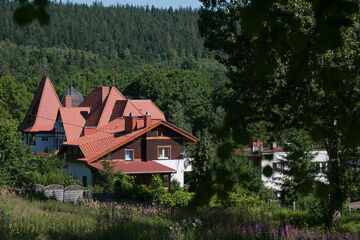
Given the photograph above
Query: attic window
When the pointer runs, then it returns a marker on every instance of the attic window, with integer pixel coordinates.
(160, 133)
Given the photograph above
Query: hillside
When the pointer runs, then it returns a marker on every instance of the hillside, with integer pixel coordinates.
(121, 32)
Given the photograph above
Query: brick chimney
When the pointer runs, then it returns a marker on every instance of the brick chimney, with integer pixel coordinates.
(67, 101)
(147, 120)
(257, 146)
(130, 123)
(273, 145)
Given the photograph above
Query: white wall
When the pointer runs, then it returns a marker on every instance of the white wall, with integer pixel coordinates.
(274, 182)
(179, 166)
(80, 170)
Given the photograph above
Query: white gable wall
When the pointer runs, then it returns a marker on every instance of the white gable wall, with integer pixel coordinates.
(179, 166)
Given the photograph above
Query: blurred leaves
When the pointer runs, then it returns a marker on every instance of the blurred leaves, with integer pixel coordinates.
(28, 11)
(267, 171)
(291, 63)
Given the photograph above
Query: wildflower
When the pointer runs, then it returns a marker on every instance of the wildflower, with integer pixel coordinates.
(328, 234)
(146, 211)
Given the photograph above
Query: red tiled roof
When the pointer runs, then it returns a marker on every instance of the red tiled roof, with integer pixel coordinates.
(43, 109)
(106, 139)
(109, 104)
(96, 97)
(124, 108)
(102, 101)
(134, 167)
(73, 119)
(146, 105)
(112, 136)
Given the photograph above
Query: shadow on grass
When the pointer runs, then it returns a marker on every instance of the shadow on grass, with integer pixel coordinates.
(121, 230)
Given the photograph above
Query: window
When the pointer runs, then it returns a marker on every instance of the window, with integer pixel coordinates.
(163, 152)
(160, 133)
(275, 166)
(129, 154)
(84, 181)
(33, 140)
(44, 139)
(278, 166)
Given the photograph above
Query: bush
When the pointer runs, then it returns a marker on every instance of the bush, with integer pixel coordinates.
(237, 199)
(95, 189)
(174, 186)
(349, 222)
(177, 199)
(123, 186)
(156, 182)
(55, 177)
(296, 218)
(142, 193)
(5, 219)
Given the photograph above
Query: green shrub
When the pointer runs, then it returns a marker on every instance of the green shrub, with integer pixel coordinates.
(95, 189)
(237, 199)
(142, 193)
(296, 218)
(177, 199)
(349, 222)
(5, 219)
(156, 182)
(124, 186)
(55, 177)
(174, 186)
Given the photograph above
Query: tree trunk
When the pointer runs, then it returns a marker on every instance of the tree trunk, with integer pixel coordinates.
(337, 195)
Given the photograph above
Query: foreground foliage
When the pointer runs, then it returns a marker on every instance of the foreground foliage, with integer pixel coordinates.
(295, 65)
(251, 219)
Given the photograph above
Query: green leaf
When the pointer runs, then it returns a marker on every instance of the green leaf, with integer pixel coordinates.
(25, 14)
(267, 171)
(322, 190)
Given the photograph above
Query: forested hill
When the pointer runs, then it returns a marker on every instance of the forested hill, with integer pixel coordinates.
(158, 54)
(118, 32)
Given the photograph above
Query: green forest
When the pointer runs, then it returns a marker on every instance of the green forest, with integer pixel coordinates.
(228, 73)
(145, 48)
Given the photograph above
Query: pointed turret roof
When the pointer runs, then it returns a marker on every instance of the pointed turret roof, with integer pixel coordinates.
(43, 110)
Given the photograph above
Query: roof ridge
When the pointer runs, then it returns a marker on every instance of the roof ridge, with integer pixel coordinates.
(118, 92)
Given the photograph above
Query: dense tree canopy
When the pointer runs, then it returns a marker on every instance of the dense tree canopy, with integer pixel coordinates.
(292, 63)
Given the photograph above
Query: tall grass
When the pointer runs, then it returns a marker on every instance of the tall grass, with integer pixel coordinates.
(40, 219)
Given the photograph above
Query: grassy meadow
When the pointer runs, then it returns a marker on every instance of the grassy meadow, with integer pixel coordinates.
(26, 218)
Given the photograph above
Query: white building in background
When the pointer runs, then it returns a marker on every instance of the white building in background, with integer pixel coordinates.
(273, 156)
